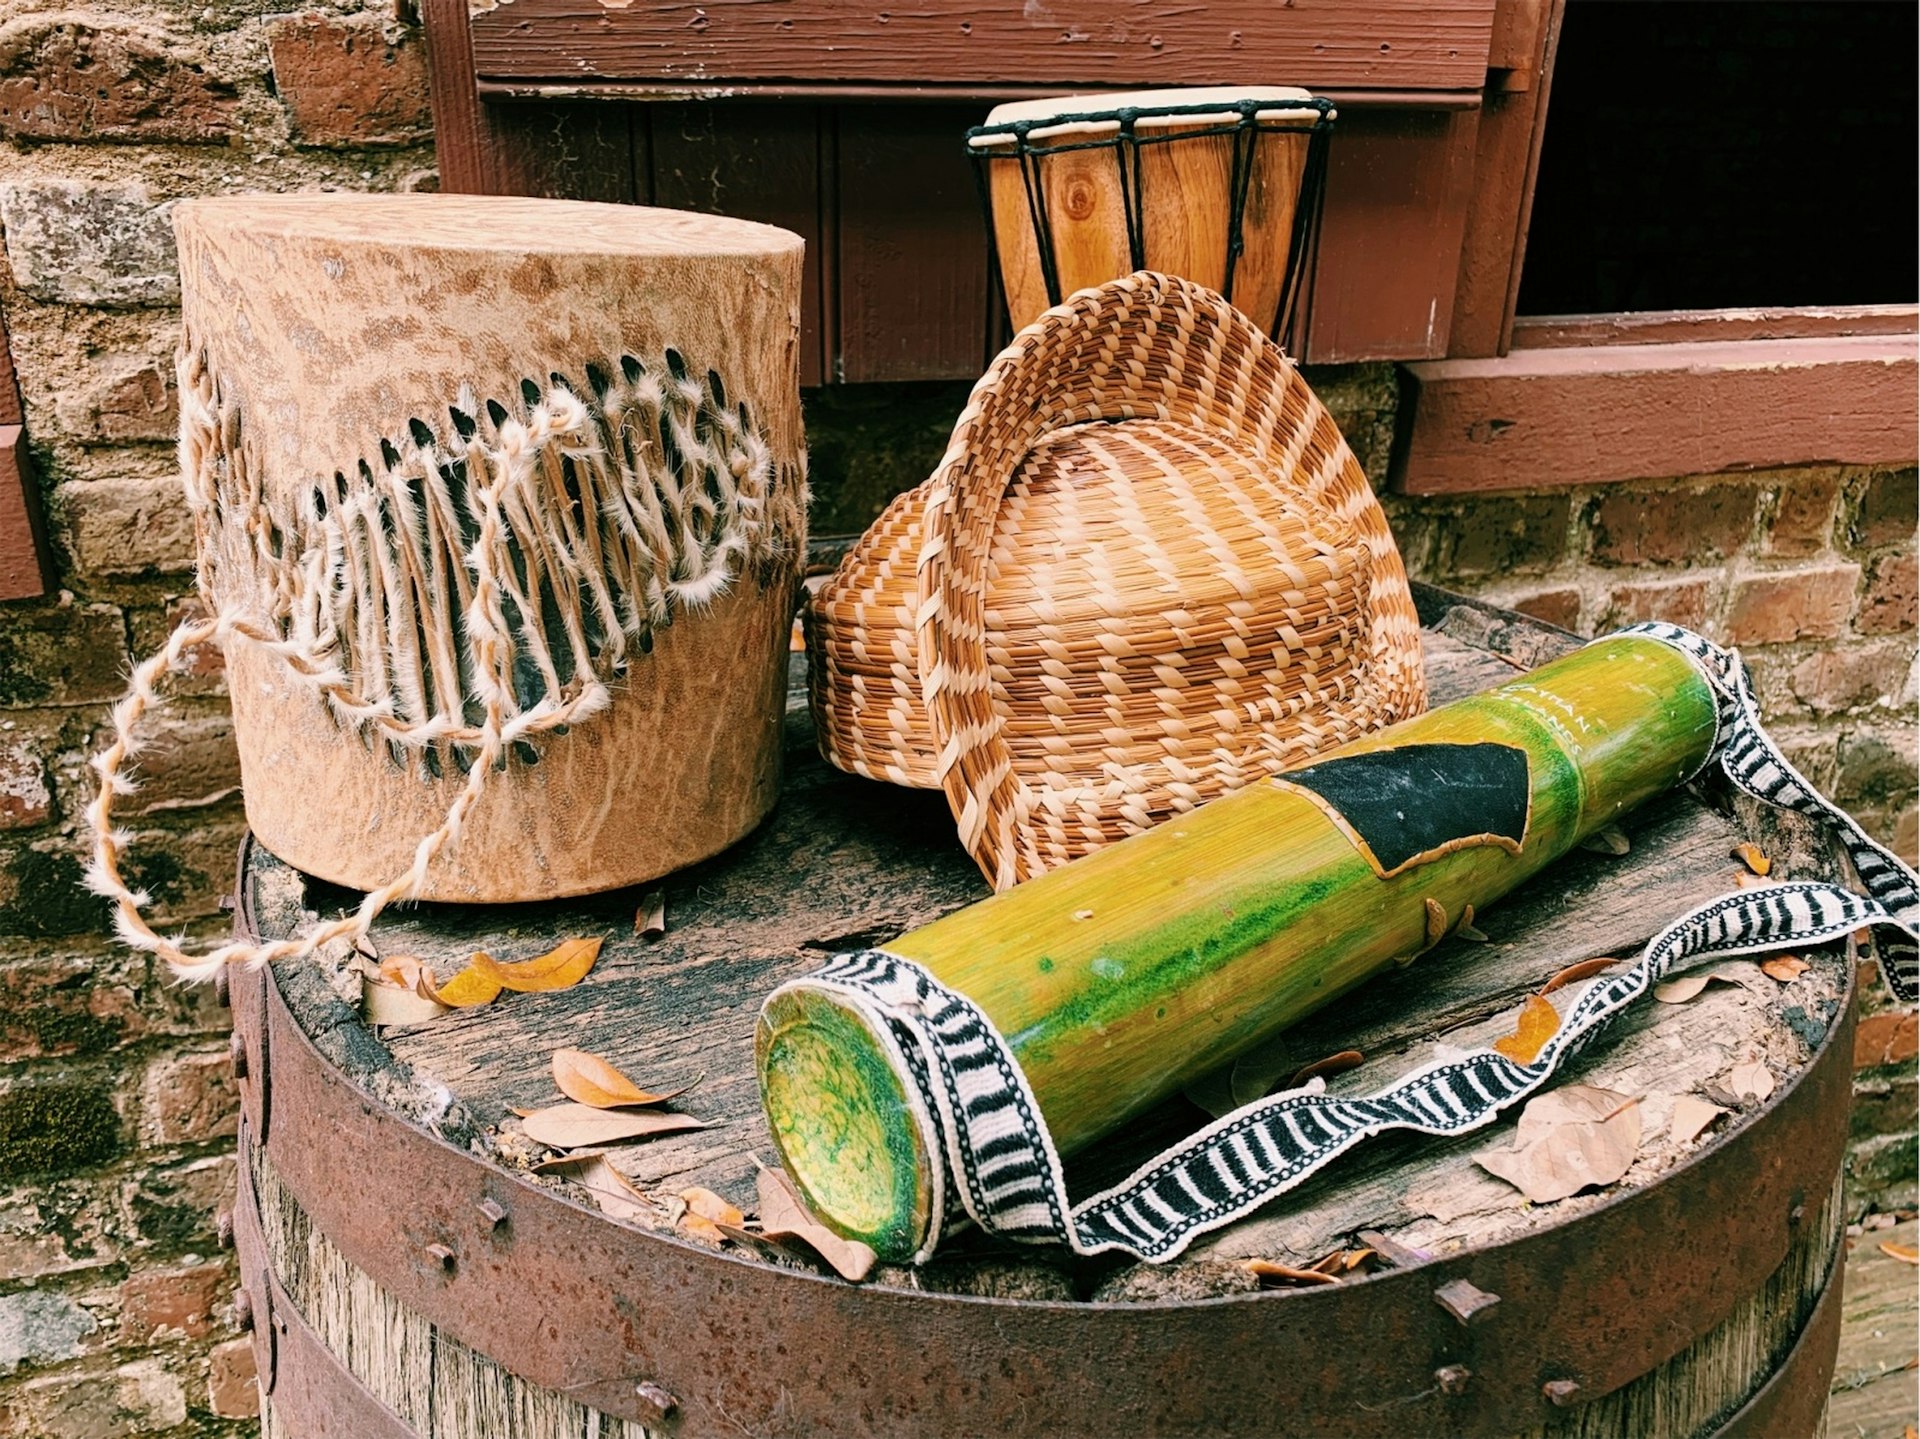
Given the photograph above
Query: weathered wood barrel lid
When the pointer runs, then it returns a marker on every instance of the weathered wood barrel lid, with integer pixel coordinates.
(406, 1275)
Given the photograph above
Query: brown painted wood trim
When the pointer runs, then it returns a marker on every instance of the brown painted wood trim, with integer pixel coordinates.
(512, 92)
(26, 568)
(1506, 163)
(1659, 327)
(1584, 416)
(1405, 44)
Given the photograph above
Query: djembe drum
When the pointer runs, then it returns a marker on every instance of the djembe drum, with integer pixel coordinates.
(1220, 186)
(499, 506)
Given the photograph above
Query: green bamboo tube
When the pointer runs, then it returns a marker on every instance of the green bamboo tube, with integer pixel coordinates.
(1120, 978)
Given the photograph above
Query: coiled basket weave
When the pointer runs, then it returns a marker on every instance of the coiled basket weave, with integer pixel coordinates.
(1147, 571)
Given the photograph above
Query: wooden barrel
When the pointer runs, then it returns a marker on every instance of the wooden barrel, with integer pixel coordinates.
(407, 1275)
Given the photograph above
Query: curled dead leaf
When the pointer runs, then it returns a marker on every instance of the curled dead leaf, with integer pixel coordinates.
(1333, 1064)
(1691, 1118)
(1270, 1269)
(1786, 968)
(650, 919)
(561, 967)
(785, 1219)
(1465, 928)
(387, 1003)
(1905, 1253)
(1574, 973)
(1573, 1138)
(588, 1079)
(616, 1194)
(1436, 922)
(577, 1126)
(1539, 1021)
(705, 1213)
(1753, 857)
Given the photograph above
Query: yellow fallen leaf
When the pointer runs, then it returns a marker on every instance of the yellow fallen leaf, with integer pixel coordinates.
(1905, 1253)
(1753, 857)
(1539, 1022)
(559, 968)
(587, 1079)
(1786, 968)
(577, 1126)
(1286, 1273)
(706, 1212)
(471, 986)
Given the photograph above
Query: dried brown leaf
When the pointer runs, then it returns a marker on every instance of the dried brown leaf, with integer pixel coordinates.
(1269, 1269)
(1905, 1253)
(1608, 839)
(561, 967)
(588, 1079)
(1691, 1118)
(616, 1195)
(1786, 968)
(1574, 973)
(650, 919)
(1539, 1021)
(784, 1218)
(1573, 1138)
(1753, 857)
(576, 1126)
(1322, 1068)
(471, 986)
(1752, 1080)
(1466, 929)
(708, 1205)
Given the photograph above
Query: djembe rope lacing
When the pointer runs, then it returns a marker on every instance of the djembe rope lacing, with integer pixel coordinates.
(997, 1164)
(483, 583)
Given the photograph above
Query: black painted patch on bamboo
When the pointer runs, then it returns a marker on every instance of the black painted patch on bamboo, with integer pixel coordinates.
(1404, 806)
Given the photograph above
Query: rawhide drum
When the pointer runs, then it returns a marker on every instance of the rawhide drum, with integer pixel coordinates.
(484, 480)
(415, 1266)
(1218, 185)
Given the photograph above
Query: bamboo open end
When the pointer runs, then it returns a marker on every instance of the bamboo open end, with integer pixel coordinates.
(841, 1122)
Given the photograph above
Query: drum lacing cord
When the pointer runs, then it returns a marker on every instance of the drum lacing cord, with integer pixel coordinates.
(482, 586)
(997, 1164)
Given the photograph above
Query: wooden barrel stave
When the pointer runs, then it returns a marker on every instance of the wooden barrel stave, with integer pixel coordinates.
(1687, 1380)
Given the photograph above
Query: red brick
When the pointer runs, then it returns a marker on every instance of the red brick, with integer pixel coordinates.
(1891, 603)
(1886, 1039)
(67, 79)
(1632, 527)
(1802, 522)
(1852, 677)
(1507, 534)
(232, 1392)
(1889, 510)
(1559, 606)
(188, 762)
(1677, 601)
(25, 798)
(1810, 603)
(163, 1301)
(64, 1005)
(345, 84)
(189, 1099)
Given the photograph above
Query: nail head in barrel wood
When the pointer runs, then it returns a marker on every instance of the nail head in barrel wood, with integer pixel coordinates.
(237, 1055)
(1465, 1300)
(1561, 1393)
(494, 1212)
(440, 1255)
(1452, 1378)
(657, 1399)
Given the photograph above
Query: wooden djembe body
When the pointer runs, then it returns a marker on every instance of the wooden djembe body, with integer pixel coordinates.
(459, 462)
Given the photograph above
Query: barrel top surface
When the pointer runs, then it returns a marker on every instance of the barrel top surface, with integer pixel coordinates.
(843, 863)
(483, 223)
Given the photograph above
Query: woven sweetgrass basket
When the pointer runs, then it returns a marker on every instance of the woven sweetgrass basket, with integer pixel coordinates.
(1147, 572)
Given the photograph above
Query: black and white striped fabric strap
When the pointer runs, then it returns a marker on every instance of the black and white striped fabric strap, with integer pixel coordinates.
(979, 1118)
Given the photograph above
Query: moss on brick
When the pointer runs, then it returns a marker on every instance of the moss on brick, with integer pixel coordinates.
(56, 1128)
(48, 896)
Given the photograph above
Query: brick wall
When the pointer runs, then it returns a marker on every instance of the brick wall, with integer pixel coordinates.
(116, 1105)
(115, 1110)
